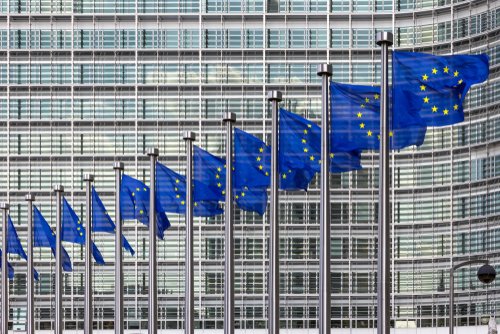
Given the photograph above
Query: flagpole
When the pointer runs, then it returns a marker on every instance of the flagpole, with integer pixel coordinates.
(384, 39)
(229, 119)
(153, 293)
(189, 138)
(325, 294)
(30, 291)
(88, 311)
(58, 321)
(5, 271)
(274, 97)
(118, 167)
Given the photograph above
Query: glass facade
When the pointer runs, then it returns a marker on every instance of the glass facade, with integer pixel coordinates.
(85, 83)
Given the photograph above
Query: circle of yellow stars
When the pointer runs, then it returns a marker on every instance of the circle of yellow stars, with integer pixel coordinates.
(359, 115)
(423, 88)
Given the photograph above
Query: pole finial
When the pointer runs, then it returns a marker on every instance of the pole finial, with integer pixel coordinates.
(274, 95)
(118, 165)
(153, 151)
(384, 37)
(229, 117)
(29, 197)
(324, 69)
(88, 177)
(58, 188)
(189, 135)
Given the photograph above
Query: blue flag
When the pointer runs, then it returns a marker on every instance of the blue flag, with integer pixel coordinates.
(355, 113)
(44, 237)
(14, 244)
(437, 84)
(102, 222)
(211, 171)
(252, 160)
(73, 230)
(300, 152)
(134, 205)
(171, 194)
(9, 268)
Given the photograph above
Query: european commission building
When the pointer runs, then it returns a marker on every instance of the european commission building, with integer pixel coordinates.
(85, 83)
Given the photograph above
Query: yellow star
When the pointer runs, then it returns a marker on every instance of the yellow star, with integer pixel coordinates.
(367, 100)
(369, 133)
(309, 126)
(133, 194)
(218, 169)
(242, 194)
(446, 69)
(236, 196)
(422, 88)
(195, 203)
(434, 71)
(434, 109)
(141, 212)
(261, 149)
(177, 181)
(311, 158)
(145, 189)
(455, 74)
(445, 111)
(304, 141)
(267, 173)
(260, 167)
(426, 99)
(425, 77)
(460, 81)
(284, 176)
(391, 134)
(78, 229)
(305, 131)
(219, 185)
(177, 196)
(138, 189)
(332, 155)
(455, 107)
(376, 96)
(378, 137)
(223, 192)
(359, 115)
(362, 126)
(362, 106)
(306, 150)
(217, 176)
(81, 234)
(258, 158)
(182, 202)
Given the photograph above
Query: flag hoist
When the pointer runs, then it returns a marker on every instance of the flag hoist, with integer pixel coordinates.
(229, 119)
(153, 294)
(325, 71)
(274, 97)
(30, 291)
(189, 138)
(58, 321)
(384, 39)
(5, 271)
(118, 168)
(88, 313)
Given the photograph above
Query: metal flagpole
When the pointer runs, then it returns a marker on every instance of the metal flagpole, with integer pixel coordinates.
(30, 291)
(153, 293)
(189, 137)
(58, 321)
(325, 71)
(118, 167)
(274, 97)
(229, 119)
(5, 271)
(88, 310)
(384, 39)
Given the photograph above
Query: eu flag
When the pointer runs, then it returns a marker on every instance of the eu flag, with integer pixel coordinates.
(439, 84)
(355, 119)
(134, 204)
(211, 171)
(300, 152)
(102, 222)
(252, 160)
(73, 230)
(14, 244)
(44, 237)
(9, 268)
(171, 193)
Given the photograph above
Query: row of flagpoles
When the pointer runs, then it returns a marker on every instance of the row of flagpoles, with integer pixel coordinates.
(149, 204)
